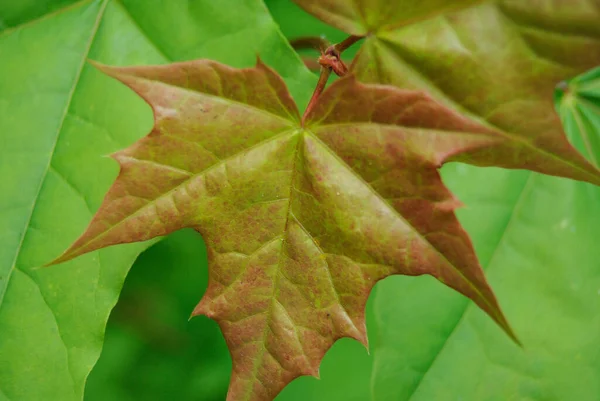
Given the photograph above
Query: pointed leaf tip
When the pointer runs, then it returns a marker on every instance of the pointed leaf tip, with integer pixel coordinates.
(105, 68)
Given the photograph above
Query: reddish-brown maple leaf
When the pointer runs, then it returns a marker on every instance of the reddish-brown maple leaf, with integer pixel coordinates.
(300, 220)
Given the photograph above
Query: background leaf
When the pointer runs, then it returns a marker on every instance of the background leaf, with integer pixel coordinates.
(536, 236)
(495, 62)
(58, 116)
(578, 104)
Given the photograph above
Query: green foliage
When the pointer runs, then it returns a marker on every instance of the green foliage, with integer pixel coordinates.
(427, 343)
(577, 104)
(152, 351)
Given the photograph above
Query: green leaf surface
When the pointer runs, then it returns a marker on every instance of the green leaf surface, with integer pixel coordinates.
(58, 116)
(536, 236)
(578, 104)
(15, 13)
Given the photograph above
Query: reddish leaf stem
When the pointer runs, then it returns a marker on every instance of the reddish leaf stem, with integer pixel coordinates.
(325, 73)
(330, 60)
(310, 42)
(346, 43)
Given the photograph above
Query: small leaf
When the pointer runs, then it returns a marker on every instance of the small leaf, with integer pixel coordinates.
(300, 221)
(578, 105)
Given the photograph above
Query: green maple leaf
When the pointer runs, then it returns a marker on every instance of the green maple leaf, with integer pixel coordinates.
(578, 107)
(301, 217)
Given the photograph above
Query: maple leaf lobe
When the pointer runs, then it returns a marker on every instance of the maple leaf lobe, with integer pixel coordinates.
(172, 159)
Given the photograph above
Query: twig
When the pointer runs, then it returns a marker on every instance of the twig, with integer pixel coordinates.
(325, 73)
(346, 43)
(310, 42)
(330, 60)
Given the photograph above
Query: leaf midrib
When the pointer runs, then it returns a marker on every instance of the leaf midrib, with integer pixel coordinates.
(293, 116)
(63, 117)
(269, 312)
